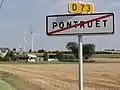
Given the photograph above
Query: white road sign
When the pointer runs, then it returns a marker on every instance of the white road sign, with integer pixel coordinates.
(80, 24)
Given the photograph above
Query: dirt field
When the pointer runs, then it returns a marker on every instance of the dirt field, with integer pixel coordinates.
(98, 76)
(104, 76)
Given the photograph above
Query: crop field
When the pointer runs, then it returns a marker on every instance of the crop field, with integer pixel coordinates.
(106, 56)
(97, 76)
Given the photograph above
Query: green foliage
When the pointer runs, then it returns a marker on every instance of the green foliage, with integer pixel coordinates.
(69, 60)
(14, 49)
(30, 50)
(10, 56)
(73, 46)
(16, 82)
(6, 58)
(14, 58)
(103, 52)
(88, 49)
(72, 57)
(41, 51)
(60, 55)
(45, 55)
(3, 84)
(65, 58)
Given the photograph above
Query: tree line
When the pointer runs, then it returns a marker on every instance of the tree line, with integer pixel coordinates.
(88, 51)
(72, 54)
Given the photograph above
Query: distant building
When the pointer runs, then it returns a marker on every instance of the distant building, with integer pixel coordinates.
(52, 57)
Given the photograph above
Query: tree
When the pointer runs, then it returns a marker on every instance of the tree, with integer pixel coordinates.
(70, 45)
(45, 55)
(41, 51)
(14, 49)
(60, 56)
(30, 50)
(8, 56)
(88, 49)
(73, 47)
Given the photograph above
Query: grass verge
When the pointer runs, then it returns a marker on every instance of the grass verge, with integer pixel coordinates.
(5, 86)
(17, 82)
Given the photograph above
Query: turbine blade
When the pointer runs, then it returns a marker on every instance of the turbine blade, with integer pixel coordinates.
(25, 42)
(25, 39)
(36, 34)
(1, 4)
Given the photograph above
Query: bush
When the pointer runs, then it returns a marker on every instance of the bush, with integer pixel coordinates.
(103, 52)
(41, 51)
(9, 56)
(60, 55)
(88, 49)
(72, 57)
(45, 56)
(30, 50)
(69, 60)
(6, 58)
(86, 57)
(15, 58)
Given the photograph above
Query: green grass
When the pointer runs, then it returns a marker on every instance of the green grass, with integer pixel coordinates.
(5, 86)
(11, 79)
(15, 81)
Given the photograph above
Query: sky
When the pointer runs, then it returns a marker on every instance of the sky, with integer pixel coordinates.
(16, 16)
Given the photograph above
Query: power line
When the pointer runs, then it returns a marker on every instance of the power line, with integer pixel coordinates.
(1, 4)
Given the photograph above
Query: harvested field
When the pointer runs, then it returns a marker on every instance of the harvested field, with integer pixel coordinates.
(47, 76)
(97, 76)
(104, 76)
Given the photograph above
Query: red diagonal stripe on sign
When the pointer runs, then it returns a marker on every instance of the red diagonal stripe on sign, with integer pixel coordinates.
(68, 28)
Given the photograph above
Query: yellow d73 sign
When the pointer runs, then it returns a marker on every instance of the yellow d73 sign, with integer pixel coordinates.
(80, 7)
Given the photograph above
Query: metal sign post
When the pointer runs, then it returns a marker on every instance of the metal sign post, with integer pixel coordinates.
(80, 25)
(80, 55)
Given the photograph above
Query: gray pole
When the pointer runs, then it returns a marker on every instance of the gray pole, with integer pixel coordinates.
(80, 55)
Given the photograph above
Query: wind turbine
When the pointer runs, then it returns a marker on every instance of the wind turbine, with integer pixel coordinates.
(32, 35)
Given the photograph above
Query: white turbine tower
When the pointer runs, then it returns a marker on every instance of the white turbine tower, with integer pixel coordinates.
(32, 35)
